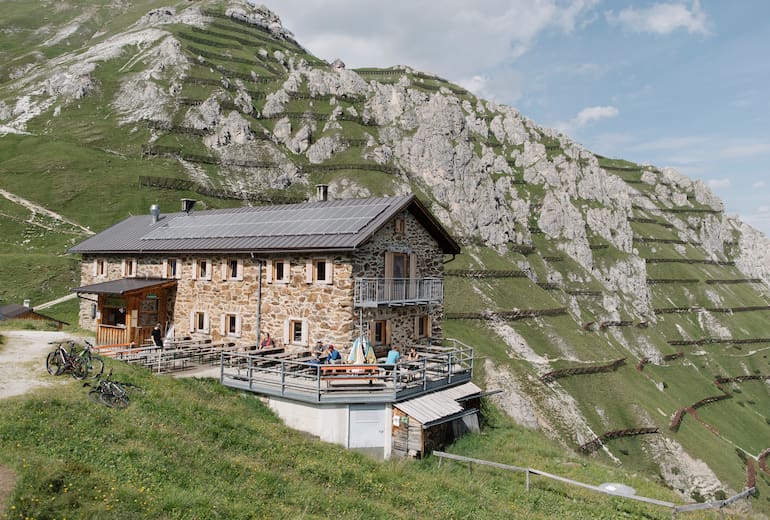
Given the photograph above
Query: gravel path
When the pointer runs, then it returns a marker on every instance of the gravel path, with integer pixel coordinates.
(22, 361)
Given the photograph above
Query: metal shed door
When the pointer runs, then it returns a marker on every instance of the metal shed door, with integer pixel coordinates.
(366, 426)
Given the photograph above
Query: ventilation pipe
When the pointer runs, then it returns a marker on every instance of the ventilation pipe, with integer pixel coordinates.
(155, 212)
(187, 205)
(322, 192)
(26, 303)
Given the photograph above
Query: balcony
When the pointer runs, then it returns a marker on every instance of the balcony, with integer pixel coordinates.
(373, 292)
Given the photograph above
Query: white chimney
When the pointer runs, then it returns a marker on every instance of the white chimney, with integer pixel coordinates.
(155, 212)
(26, 303)
(322, 192)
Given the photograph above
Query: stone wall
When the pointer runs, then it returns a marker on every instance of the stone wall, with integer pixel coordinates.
(325, 310)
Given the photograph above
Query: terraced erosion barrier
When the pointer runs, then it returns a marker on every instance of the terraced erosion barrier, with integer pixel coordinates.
(484, 273)
(642, 362)
(655, 281)
(599, 441)
(575, 371)
(687, 261)
(708, 341)
(583, 292)
(719, 381)
(679, 415)
(672, 357)
(727, 310)
(516, 314)
(734, 281)
(643, 220)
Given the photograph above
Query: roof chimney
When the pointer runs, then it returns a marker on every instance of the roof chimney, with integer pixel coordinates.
(26, 303)
(155, 212)
(322, 192)
(187, 205)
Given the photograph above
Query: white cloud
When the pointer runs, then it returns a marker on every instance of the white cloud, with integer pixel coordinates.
(744, 150)
(759, 185)
(456, 39)
(716, 184)
(670, 143)
(590, 114)
(662, 18)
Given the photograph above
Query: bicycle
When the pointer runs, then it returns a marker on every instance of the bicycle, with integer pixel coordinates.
(60, 360)
(111, 393)
(94, 365)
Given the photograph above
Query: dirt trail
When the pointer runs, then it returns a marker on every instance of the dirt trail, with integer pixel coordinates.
(22, 368)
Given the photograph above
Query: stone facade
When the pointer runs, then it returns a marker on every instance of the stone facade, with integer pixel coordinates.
(224, 303)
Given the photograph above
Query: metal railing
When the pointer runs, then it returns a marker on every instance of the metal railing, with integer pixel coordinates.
(297, 378)
(674, 508)
(373, 292)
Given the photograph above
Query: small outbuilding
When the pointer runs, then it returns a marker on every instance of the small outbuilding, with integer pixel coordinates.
(432, 421)
(14, 311)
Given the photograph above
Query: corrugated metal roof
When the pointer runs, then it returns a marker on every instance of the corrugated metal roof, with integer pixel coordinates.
(437, 405)
(311, 226)
(122, 286)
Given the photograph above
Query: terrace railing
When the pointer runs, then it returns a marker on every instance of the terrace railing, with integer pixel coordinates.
(373, 292)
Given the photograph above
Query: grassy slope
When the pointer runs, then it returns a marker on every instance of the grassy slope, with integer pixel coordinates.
(193, 449)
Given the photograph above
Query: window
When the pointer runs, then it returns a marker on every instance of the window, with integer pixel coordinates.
(295, 331)
(114, 311)
(399, 225)
(278, 271)
(232, 269)
(172, 268)
(319, 270)
(231, 324)
(422, 326)
(199, 322)
(128, 268)
(201, 269)
(379, 332)
(100, 267)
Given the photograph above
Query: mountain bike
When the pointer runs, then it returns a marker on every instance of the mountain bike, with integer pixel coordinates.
(111, 393)
(60, 361)
(93, 364)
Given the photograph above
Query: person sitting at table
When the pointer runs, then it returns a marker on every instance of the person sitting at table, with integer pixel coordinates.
(267, 341)
(393, 356)
(411, 366)
(412, 355)
(332, 355)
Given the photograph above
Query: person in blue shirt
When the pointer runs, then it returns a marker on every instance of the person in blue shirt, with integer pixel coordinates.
(332, 355)
(393, 356)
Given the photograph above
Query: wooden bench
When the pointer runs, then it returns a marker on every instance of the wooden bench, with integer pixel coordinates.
(331, 373)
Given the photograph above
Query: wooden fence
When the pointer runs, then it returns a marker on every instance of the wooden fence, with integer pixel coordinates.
(517, 314)
(599, 441)
(574, 371)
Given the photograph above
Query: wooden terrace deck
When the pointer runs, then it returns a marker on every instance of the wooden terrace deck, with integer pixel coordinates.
(292, 376)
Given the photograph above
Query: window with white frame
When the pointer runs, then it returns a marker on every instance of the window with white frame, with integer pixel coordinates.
(199, 322)
(295, 331)
(100, 267)
(128, 267)
(232, 269)
(319, 270)
(231, 324)
(172, 268)
(278, 271)
(202, 269)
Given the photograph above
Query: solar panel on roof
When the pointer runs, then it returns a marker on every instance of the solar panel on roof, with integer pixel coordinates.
(329, 220)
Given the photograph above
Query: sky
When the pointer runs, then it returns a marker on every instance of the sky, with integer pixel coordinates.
(682, 84)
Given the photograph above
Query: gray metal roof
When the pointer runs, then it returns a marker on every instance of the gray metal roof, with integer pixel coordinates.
(122, 285)
(311, 226)
(14, 310)
(432, 407)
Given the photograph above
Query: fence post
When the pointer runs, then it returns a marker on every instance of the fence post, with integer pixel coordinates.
(527, 481)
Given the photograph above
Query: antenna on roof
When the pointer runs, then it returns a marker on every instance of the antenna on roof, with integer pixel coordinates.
(187, 205)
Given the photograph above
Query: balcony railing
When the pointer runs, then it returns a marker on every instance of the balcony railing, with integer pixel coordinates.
(373, 292)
